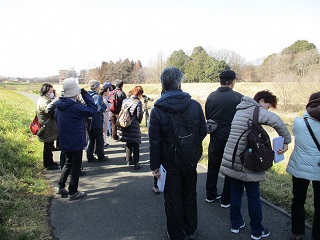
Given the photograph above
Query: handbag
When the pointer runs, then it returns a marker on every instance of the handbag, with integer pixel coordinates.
(35, 126)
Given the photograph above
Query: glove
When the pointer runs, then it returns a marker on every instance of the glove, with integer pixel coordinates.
(83, 91)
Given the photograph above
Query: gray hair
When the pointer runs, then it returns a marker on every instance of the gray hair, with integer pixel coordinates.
(171, 78)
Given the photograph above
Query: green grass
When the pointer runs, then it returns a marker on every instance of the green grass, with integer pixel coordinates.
(24, 193)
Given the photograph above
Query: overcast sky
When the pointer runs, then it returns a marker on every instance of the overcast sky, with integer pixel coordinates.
(39, 37)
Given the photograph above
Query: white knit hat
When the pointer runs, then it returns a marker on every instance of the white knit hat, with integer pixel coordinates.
(70, 88)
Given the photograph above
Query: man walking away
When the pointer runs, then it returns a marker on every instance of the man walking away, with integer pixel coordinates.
(180, 187)
(220, 107)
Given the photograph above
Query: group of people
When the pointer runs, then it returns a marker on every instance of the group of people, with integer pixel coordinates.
(80, 119)
(77, 115)
(227, 113)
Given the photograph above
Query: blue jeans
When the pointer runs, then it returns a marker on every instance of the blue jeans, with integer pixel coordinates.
(180, 197)
(299, 190)
(73, 164)
(95, 140)
(254, 205)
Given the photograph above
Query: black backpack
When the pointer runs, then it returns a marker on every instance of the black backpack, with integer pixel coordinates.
(184, 146)
(258, 155)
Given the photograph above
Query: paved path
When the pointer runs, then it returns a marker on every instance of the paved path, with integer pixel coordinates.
(120, 205)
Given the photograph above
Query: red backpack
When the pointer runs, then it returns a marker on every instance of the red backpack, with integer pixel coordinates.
(113, 100)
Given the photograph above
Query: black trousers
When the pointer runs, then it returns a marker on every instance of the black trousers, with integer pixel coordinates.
(181, 202)
(47, 154)
(218, 140)
(299, 190)
(72, 164)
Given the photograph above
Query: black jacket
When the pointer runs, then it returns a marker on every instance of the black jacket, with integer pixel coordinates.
(171, 101)
(221, 106)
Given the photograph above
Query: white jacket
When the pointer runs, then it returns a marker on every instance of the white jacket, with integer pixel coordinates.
(305, 159)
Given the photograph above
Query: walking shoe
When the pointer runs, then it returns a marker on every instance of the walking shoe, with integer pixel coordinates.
(265, 233)
(192, 236)
(103, 159)
(91, 160)
(225, 205)
(106, 145)
(62, 191)
(77, 195)
(213, 199)
(137, 166)
(236, 230)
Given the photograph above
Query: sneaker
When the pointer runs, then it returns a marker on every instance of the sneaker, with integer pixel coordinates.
(212, 200)
(236, 230)
(192, 236)
(62, 191)
(106, 145)
(225, 205)
(265, 233)
(77, 195)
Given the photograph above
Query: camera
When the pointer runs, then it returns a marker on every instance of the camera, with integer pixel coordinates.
(146, 98)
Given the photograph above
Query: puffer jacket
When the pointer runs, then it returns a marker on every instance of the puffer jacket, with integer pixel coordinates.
(239, 124)
(171, 101)
(132, 134)
(97, 118)
(304, 161)
(70, 117)
(50, 132)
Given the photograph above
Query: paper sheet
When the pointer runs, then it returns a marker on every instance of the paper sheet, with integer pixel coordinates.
(162, 179)
(278, 144)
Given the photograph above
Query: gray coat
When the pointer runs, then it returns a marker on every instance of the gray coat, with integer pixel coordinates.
(132, 134)
(239, 124)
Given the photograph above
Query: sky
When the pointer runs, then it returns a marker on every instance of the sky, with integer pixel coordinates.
(40, 37)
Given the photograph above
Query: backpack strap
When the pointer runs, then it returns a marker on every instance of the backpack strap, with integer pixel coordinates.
(236, 148)
(311, 133)
(255, 123)
(255, 116)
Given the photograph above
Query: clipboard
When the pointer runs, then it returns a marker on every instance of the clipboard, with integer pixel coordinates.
(278, 144)
(162, 179)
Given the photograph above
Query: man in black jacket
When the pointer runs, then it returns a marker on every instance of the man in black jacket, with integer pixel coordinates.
(220, 107)
(180, 185)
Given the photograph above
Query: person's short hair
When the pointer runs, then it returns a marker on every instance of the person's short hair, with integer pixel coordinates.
(171, 78)
(94, 84)
(227, 77)
(45, 89)
(268, 97)
(314, 100)
(137, 91)
(119, 83)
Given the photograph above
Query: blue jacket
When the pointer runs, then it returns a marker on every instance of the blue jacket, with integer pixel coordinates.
(97, 118)
(171, 101)
(70, 116)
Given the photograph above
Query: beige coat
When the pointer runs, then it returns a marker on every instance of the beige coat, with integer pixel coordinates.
(239, 124)
(51, 132)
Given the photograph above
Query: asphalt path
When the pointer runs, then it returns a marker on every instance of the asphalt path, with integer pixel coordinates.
(120, 204)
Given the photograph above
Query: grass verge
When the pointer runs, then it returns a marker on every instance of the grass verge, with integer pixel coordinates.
(24, 193)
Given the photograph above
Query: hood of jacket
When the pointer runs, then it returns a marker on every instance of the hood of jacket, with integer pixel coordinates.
(173, 101)
(64, 103)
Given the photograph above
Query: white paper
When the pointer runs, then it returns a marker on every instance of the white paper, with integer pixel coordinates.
(278, 144)
(162, 179)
